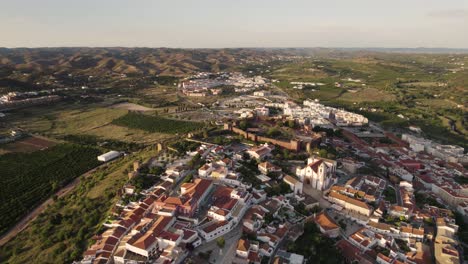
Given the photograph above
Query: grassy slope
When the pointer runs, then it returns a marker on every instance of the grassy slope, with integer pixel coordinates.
(28, 178)
(63, 231)
(60, 120)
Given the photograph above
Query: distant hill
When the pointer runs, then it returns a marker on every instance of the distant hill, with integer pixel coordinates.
(162, 61)
(98, 61)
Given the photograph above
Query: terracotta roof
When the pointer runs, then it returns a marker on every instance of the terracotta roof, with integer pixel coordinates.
(281, 232)
(253, 256)
(204, 167)
(160, 224)
(144, 241)
(174, 200)
(325, 222)
(349, 200)
(243, 245)
(290, 179)
(214, 226)
(381, 226)
(268, 166)
(398, 208)
(169, 236)
(348, 250)
(338, 188)
(222, 212)
(188, 233)
(110, 241)
(315, 165)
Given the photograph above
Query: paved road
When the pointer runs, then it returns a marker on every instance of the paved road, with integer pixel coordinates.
(317, 195)
(397, 193)
(23, 223)
(229, 251)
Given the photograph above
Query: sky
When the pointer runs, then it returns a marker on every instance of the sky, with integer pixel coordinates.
(234, 23)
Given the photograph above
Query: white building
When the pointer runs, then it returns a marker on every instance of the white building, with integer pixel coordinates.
(294, 184)
(214, 229)
(109, 156)
(448, 153)
(262, 111)
(260, 152)
(318, 172)
(261, 93)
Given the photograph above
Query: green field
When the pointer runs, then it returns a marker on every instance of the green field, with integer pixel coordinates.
(420, 87)
(29, 178)
(65, 229)
(156, 124)
(93, 120)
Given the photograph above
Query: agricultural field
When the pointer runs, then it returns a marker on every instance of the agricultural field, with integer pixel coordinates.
(156, 124)
(28, 144)
(429, 91)
(367, 95)
(64, 230)
(29, 178)
(93, 120)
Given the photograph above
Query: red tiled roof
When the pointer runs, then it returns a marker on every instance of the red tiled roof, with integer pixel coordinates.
(214, 226)
(144, 241)
(324, 221)
(169, 236)
(348, 250)
(188, 233)
(253, 256)
(243, 245)
(315, 165)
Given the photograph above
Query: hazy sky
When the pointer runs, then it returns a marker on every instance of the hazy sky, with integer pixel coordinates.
(234, 23)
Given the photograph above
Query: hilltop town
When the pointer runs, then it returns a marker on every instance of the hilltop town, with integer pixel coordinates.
(225, 167)
(234, 132)
(283, 174)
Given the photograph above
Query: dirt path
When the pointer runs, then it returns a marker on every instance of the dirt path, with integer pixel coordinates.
(21, 225)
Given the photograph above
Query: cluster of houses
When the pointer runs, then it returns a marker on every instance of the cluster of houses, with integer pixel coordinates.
(259, 111)
(176, 215)
(404, 159)
(384, 244)
(205, 84)
(430, 172)
(356, 198)
(268, 235)
(157, 228)
(415, 170)
(193, 206)
(449, 153)
(316, 114)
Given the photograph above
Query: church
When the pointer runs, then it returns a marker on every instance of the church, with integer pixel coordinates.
(318, 173)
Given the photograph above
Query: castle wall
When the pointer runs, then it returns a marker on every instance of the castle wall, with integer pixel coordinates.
(293, 145)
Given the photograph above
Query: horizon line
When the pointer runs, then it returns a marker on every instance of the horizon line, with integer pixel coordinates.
(240, 47)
